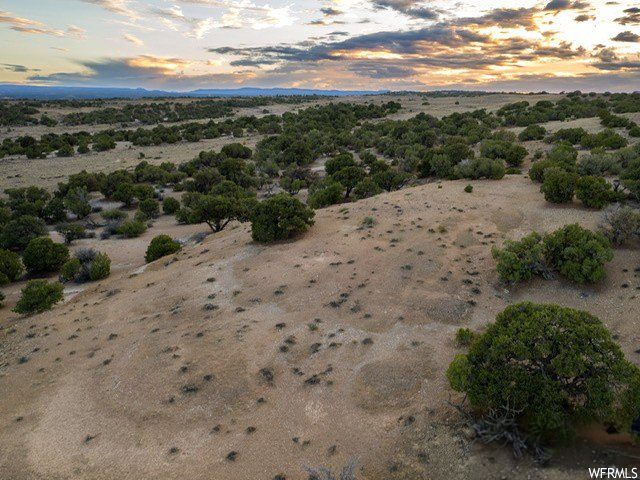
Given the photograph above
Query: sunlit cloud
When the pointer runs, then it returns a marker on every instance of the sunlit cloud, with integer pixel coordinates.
(355, 44)
(133, 39)
(120, 7)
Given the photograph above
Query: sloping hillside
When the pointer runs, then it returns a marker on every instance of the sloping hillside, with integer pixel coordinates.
(238, 361)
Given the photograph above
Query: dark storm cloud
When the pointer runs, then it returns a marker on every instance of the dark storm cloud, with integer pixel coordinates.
(632, 17)
(615, 66)
(558, 5)
(407, 7)
(503, 17)
(378, 70)
(18, 68)
(406, 42)
(331, 12)
(627, 36)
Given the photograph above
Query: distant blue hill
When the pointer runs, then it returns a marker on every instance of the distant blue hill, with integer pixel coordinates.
(9, 91)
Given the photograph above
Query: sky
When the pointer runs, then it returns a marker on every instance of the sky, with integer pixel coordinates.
(498, 45)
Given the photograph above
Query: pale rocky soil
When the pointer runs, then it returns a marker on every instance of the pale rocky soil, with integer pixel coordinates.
(188, 354)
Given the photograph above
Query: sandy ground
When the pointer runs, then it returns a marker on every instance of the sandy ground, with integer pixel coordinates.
(306, 353)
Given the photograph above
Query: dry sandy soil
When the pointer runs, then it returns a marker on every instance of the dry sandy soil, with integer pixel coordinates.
(233, 360)
(312, 352)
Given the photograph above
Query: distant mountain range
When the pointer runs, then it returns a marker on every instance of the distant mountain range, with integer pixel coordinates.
(9, 91)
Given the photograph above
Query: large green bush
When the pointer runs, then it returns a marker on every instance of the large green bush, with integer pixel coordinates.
(349, 177)
(77, 201)
(337, 163)
(537, 170)
(17, 233)
(558, 185)
(161, 246)
(577, 253)
(10, 267)
(555, 368)
(43, 255)
(520, 261)
(38, 296)
(279, 218)
(594, 192)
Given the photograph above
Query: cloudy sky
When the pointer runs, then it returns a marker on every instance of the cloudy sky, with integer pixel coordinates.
(520, 45)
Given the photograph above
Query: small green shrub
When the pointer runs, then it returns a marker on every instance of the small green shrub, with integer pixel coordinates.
(113, 214)
(325, 194)
(279, 218)
(2, 297)
(519, 261)
(70, 270)
(71, 232)
(464, 337)
(161, 246)
(368, 222)
(100, 267)
(42, 255)
(38, 296)
(10, 267)
(132, 228)
(468, 188)
(532, 132)
(150, 207)
(366, 188)
(170, 205)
